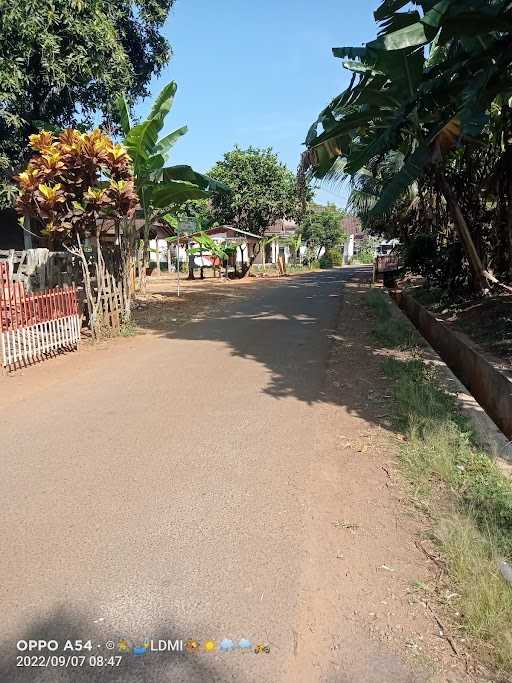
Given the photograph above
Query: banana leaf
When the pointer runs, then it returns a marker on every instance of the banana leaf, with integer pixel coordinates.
(412, 169)
(175, 192)
(123, 112)
(187, 174)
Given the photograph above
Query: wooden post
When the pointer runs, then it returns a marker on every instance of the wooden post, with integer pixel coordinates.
(27, 237)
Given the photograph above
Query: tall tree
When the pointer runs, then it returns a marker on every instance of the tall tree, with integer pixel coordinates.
(322, 227)
(262, 190)
(64, 63)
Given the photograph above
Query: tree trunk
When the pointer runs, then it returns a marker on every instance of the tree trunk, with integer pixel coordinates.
(91, 308)
(126, 246)
(27, 235)
(464, 233)
(246, 270)
(144, 261)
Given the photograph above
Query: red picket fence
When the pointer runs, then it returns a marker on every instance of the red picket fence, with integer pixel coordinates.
(34, 326)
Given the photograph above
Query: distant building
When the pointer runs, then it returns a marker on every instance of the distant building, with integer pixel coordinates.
(282, 231)
(352, 226)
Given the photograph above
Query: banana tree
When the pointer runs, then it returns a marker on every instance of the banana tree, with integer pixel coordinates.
(160, 187)
(204, 243)
(229, 249)
(295, 243)
(424, 87)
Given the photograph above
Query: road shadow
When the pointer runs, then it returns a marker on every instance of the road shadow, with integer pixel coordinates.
(66, 624)
(295, 328)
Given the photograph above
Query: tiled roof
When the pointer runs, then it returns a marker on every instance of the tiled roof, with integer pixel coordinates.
(351, 225)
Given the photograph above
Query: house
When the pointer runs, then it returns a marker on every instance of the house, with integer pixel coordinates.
(248, 243)
(276, 242)
(282, 231)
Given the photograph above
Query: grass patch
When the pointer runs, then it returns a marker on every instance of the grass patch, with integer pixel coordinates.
(449, 471)
(391, 331)
(128, 328)
(440, 449)
(485, 600)
(465, 493)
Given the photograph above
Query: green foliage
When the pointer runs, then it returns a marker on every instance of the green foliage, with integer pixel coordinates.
(162, 189)
(63, 63)
(441, 444)
(321, 226)
(200, 211)
(207, 244)
(366, 250)
(403, 98)
(158, 185)
(261, 190)
(229, 248)
(366, 255)
(331, 258)
(128, 329)
(438, 261)
(483, 597)
(436, 80)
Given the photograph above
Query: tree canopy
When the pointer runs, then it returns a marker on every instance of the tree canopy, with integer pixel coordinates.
(262, 190)
(322, 227)
(424, 129)
(64, 63)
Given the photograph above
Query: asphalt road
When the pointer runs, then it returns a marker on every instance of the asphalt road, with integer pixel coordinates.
(161, 495)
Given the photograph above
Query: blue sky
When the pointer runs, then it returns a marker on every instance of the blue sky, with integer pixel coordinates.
(256, 73)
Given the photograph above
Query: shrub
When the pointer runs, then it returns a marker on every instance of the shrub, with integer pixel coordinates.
(365, 256)
(331, 258)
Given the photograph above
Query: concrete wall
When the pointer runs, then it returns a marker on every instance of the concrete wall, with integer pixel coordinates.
(348, 249)
(491, 387)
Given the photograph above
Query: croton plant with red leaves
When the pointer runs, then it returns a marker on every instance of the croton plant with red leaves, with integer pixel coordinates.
(76, 182)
